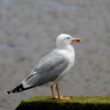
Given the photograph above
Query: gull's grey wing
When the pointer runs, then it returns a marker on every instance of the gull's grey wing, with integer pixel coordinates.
(47, 70)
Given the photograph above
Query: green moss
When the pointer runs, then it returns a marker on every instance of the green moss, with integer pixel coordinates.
(77, 102)
(76, 99)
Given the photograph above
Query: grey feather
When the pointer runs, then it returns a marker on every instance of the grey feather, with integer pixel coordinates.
(47, 70)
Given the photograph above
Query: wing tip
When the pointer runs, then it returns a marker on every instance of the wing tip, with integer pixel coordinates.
(8, 92)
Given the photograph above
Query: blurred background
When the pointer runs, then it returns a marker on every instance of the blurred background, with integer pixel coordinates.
(28, 30)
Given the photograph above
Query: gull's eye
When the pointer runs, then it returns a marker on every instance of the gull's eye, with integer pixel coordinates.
(68, 38)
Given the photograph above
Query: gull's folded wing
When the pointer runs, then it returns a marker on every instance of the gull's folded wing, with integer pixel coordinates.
(47, 70)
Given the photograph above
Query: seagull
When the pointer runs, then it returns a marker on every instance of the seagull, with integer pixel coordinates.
(51, 68)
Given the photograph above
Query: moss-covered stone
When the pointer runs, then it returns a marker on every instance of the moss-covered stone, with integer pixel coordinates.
(75, 103)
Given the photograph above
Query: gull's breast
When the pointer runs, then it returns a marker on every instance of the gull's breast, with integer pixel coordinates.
(70, 56)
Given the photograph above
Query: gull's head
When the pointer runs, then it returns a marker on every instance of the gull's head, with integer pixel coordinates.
(64, 40)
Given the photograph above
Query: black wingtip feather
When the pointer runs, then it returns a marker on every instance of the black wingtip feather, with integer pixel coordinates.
(17, 89)
(8, 92)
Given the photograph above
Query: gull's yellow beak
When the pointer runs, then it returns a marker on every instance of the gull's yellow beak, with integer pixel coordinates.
(75, 39)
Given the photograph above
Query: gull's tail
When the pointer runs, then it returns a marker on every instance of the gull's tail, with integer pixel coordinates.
(19, 88)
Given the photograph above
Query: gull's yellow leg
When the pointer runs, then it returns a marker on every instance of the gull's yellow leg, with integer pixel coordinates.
(52, 90)
(58, 93)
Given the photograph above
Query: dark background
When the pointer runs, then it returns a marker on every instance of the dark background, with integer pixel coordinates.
(28, 29)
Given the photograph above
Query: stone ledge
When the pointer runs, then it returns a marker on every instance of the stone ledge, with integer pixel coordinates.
(75, 103)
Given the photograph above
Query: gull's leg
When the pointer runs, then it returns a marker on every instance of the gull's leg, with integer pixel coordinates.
(52, 90)
(58, 93)
(60, 97)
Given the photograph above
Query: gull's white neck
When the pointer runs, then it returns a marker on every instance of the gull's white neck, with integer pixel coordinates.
(68, 52)
(70, 48)
(67, 47)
